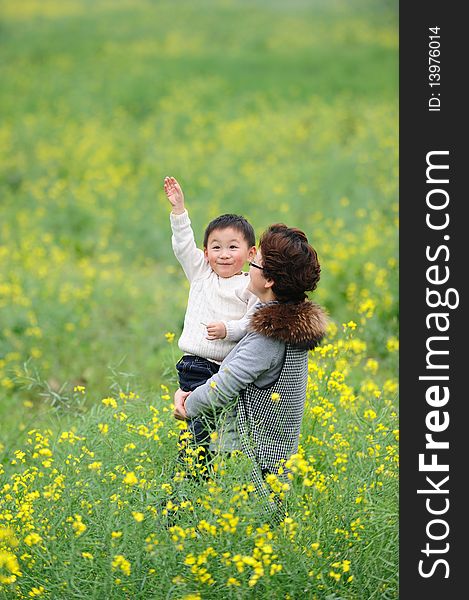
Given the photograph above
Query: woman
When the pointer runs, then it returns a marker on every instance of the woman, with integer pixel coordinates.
(267, 371)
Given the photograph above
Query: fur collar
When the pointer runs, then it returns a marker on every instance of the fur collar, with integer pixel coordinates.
(301, 324)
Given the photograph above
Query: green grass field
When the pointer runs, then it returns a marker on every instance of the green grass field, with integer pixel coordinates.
(281, 111)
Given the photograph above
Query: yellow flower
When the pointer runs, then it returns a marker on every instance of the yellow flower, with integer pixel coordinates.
(7, 535)
(10, 563)
(120, 562)
(130, 478)
(87, 555)
(390, 386)
(109, 402)
(103, 428)
(32, 539)
(275, 568)
(392, 344)
(169, 337)
(367, 307)
(371, 365)
(7, 383)
(116, 534)
(36, 591)
(79, 388)
(138, 516)
(370, 414)
(275, 397)
(77, 524)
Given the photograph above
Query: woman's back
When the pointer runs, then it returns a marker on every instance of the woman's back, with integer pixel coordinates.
(269, 419)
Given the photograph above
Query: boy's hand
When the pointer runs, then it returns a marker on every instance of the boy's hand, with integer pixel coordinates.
(216, 331)
(173, 191)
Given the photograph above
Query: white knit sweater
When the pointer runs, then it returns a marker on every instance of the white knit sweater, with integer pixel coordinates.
(211, 298)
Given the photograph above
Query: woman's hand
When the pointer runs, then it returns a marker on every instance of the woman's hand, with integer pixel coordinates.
(179, 401)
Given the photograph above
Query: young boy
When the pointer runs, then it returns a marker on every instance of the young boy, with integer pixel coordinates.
(216, 315)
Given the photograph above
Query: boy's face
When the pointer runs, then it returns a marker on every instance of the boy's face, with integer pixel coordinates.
(227, 251)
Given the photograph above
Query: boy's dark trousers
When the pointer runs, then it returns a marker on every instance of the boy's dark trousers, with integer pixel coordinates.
(194, 371)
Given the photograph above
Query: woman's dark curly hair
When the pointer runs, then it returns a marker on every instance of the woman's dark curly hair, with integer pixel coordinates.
(290, 261)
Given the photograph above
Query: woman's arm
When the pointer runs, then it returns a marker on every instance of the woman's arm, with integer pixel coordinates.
(254, 355)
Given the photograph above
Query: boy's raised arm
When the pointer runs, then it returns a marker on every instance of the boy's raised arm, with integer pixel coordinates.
(174, 194)
(185, 249)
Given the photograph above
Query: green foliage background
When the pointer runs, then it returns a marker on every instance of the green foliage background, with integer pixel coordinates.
(280, 111)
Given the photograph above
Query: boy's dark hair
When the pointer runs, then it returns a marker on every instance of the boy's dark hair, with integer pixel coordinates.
(290, 261)
(236, 222)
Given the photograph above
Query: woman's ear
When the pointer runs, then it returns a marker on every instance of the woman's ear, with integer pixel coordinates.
(269, 283)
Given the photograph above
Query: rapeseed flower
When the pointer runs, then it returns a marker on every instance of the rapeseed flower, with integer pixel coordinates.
(32, 539)
(370, 414)
(8, 564)
(77, 524)
(130, 478)
(119, 562)
(138, 516)
(392, 344)
(109, 402)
